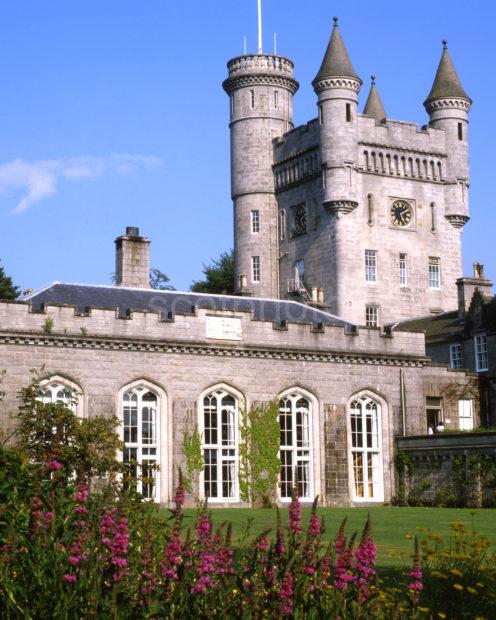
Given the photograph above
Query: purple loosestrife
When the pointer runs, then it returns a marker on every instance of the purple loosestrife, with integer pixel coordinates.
(416, 584)
(174, 549)
(343, 560)
(286, 594)
(77, 553)
(294, 514)
(205, 563)
(116, 539)
(364, 566)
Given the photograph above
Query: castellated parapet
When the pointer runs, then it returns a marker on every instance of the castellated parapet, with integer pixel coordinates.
(147, 330)
(363, 207)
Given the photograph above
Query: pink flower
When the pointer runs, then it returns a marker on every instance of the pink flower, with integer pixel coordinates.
(70, 578)
(179, 496)
(294, 515)
(286, 593)
(53, 465)
(74, 559)
(314, 526)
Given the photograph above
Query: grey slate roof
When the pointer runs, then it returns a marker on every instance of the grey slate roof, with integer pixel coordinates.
(336, 60)
(168, 303)
(446, 83)
(374, 106)
(436, 327)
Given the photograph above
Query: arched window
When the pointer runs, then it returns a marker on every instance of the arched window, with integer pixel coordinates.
(220, 445)
(60, 390)
(296, 446)
(366, 449)
(140, 434)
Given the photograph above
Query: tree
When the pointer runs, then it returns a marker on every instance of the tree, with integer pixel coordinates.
(158, 281)
(219, 276)
(7, 288)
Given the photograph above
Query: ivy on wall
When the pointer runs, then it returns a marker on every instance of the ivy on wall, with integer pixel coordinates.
(192, 448)
(259, 465)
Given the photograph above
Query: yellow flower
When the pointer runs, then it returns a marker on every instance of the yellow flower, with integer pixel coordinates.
(424, 609)
(235, 591)
(456, 572)
(441, 615)
(472, 590)
(479, 584)
(458, 586)
(408, 536)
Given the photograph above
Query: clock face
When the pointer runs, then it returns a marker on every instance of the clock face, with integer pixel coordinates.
(401, 213)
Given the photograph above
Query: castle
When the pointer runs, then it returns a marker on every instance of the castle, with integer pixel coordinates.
(358, 217)
(356, 212)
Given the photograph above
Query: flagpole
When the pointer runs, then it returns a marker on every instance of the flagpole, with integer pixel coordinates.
(260, 49)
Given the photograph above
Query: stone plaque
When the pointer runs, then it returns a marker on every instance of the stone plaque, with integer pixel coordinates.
(223, 328)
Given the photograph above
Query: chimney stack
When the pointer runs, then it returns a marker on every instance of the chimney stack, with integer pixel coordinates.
(132, 259)
(468, 286)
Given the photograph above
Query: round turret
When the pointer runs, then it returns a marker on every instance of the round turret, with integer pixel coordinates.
(261, 89)
(337, 86)
(448, 105)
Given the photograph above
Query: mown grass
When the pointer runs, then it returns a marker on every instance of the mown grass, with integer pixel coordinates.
(392, 526)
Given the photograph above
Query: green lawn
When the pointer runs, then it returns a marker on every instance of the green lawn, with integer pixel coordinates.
(391, 525)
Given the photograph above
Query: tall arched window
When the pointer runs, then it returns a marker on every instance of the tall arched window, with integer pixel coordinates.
(140, 433)
(220, 445)
(366, 449)
(296, 446)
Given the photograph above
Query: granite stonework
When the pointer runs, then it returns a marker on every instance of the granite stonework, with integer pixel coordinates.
(345, 170)
(101, 354)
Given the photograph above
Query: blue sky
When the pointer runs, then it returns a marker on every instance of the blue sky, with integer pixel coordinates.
(112, 114)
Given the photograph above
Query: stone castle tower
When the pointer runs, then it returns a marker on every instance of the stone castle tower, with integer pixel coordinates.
(355, 212)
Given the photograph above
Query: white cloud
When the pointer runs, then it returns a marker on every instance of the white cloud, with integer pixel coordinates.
(37, 180)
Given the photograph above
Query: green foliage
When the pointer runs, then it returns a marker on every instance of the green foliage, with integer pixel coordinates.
(459, 574)
(48, 325)
(259, 464)
(158, 281)
(194, 458)
(219, 276)
(86, 447)
(7, 288)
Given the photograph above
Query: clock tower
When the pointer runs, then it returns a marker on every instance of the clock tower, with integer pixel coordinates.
(360, 214)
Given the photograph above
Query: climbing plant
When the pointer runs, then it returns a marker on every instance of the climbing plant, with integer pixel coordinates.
(259, 465)
(193, 455)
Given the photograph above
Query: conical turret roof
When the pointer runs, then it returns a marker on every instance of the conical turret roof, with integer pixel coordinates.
(446, 83)
(336, 60)
(374, 106)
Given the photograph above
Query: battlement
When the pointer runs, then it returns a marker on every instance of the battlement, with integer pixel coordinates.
(256, 63)
(402, 135)
(207, 327)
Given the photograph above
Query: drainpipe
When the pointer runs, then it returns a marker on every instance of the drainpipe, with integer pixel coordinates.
(403, 401)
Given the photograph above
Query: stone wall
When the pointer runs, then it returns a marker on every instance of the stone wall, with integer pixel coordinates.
(103, 354)
(450, 469)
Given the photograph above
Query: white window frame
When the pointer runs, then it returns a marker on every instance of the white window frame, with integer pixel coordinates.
(456, 356)
(299, 455)
(220, 392)
(403, 270)
(434, 273)
(255, 221)
(466, 414)
(255, 269)
(362, 452)
(370, 263)
(282, 225)
(480, 353)
(145, 452)
(372, 316)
